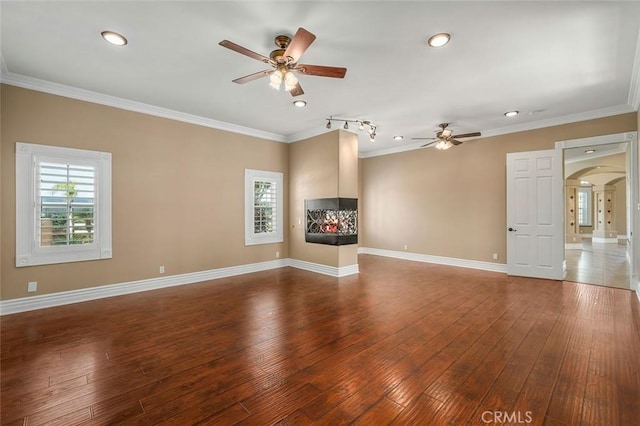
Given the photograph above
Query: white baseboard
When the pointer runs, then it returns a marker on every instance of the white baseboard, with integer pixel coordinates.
(613, 240)
(324, 269)
(636, 286)
(24, 304)
(573, 246)
(450, 261)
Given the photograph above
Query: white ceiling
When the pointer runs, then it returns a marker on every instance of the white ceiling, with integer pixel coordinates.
(556, 62)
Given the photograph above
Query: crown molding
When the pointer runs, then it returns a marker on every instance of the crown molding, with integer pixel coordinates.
(306, 134)
(556, 121)
(634, 87)
(45, 86)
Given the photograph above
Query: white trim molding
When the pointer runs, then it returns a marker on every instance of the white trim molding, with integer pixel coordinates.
(634, 87)
(45, 86)
(556, 121)
(440, 260)
(604, 240)
(337, 272)
(29, 159)
(573, 246)
(18, 80)
(24, 304)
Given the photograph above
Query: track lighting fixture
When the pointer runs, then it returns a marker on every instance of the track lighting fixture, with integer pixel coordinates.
(363, 125)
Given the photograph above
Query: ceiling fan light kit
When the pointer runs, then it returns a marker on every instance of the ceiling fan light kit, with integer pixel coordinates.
(284, 61)
(445, 138)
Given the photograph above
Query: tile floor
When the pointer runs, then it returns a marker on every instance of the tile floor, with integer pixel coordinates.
(598, 263)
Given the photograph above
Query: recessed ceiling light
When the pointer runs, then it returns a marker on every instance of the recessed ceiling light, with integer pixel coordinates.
(439, 40)
(300, 103)
(114, 38)
(398, 138)
(590, 151)
(511, 113)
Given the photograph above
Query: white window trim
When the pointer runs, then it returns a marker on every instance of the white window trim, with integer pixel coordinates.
(28, 250)
(250, 237)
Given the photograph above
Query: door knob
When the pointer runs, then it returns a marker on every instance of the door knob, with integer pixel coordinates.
(511, 230)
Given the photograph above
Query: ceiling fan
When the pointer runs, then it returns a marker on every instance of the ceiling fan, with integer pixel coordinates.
(445, 138)
(284, 61)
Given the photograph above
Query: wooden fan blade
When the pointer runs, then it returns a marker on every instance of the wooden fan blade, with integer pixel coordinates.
(251, 77)
(297, 90)
(468, 135)
(299, 44)
(243, 50)
(427, 144)
(322, 71)
(455, 141)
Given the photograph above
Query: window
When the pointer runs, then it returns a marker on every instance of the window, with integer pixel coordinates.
(584, 206)
(263, 207)
(63, 205)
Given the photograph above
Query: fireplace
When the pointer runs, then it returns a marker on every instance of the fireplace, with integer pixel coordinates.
(332, 221)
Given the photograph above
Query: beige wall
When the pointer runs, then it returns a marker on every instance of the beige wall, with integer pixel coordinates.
(324, 166)
(178, 191)
(348, 188)
(620, 206)
(453, 203)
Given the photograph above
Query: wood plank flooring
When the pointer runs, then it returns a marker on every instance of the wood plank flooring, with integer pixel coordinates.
(402, 343)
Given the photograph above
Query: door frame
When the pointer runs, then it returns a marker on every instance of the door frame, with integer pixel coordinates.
(633, 206)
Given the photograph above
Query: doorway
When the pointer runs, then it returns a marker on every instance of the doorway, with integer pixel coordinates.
(600, 188)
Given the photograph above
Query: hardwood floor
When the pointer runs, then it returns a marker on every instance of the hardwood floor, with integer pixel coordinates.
(400, 343)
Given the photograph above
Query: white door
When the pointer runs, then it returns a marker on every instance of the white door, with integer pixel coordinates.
(535, 227)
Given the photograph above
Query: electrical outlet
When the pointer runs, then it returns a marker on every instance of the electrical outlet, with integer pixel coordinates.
(495, 256)
(162, 269)
(277, 254)
(406, 247)
(32, 286)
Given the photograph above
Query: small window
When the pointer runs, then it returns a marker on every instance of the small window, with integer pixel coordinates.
(63, 205)
(584, 206)
(263, 207)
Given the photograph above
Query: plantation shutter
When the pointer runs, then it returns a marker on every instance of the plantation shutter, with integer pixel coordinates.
(265, 205)
(66, 200)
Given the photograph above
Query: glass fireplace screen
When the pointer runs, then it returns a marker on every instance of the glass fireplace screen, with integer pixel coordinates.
(332, 221)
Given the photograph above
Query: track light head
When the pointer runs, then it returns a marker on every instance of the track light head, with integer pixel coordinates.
(328, 126)
(346, 125)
